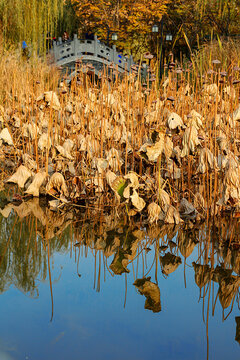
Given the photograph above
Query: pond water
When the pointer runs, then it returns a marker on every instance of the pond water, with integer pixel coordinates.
(88, 285)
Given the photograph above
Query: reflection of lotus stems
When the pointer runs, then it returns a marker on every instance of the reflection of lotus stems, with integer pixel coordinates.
(49, 272)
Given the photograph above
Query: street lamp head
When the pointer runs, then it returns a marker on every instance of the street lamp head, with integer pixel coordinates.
(169, 37)
(114, 37)
(155, 28)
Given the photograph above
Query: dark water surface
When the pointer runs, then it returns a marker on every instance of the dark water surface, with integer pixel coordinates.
(67, 287)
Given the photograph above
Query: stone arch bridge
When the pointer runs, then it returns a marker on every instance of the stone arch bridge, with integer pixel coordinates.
(92, 51)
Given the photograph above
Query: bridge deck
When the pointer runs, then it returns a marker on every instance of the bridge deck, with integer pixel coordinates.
(92, 50)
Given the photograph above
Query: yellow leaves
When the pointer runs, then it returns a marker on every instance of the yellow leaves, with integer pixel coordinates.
(124, 16)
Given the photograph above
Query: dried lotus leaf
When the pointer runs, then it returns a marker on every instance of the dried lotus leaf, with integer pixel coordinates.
(222, 162)
(20, 176)
(172, 170)
(210, 90)
(133, 177)
(6, 211)
(199, 202)
(230, 91)
(6, 137)
(206, 160)
(227, 290)
(186, 245)
(98, 183)
(57, 182)
(100, 164)
(69, 108)
(190, 141)
(37, 182)
(152, 293)
(114, 160)
(110, 177)
(119, 263)
(169, 263)
(186, 208)
(116, 183)
(237, 336)
(202, 274)
(44, 142)
(23, 210)
(164, 200)
(172, 216)
(54, 204)
(196, 119)
(231, 182)
(52, 99)
(236, 114)
(137, 201)
(154, 211)
(126, 192)
(68, 145)
(30, 130)
(133, 184)
(168, 147)
(29, 162)
(222, 144)
(154, 151)
(64, 152)
(174, 121)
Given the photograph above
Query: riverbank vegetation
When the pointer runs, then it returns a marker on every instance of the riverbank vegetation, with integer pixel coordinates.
(166, 153)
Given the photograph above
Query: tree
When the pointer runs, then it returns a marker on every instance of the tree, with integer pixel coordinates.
(200, 19)
(34, 21)
(223, 16)
(130, 19)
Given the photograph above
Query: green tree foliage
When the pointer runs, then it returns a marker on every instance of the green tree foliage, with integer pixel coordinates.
(34, 21)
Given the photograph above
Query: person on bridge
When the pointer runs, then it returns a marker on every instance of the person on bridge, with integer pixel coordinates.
(65, 37)
(25, 51)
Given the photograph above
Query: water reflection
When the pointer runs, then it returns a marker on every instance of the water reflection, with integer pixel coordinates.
(31, 233)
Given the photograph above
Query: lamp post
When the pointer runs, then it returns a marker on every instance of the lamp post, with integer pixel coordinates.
(155, 30)
(114, 36)
(169, 37)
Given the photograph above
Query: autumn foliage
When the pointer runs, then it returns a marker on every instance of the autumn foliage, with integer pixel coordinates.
(128, 18)
(197, 19)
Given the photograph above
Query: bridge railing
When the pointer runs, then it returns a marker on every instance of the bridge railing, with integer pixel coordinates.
(70, 51)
